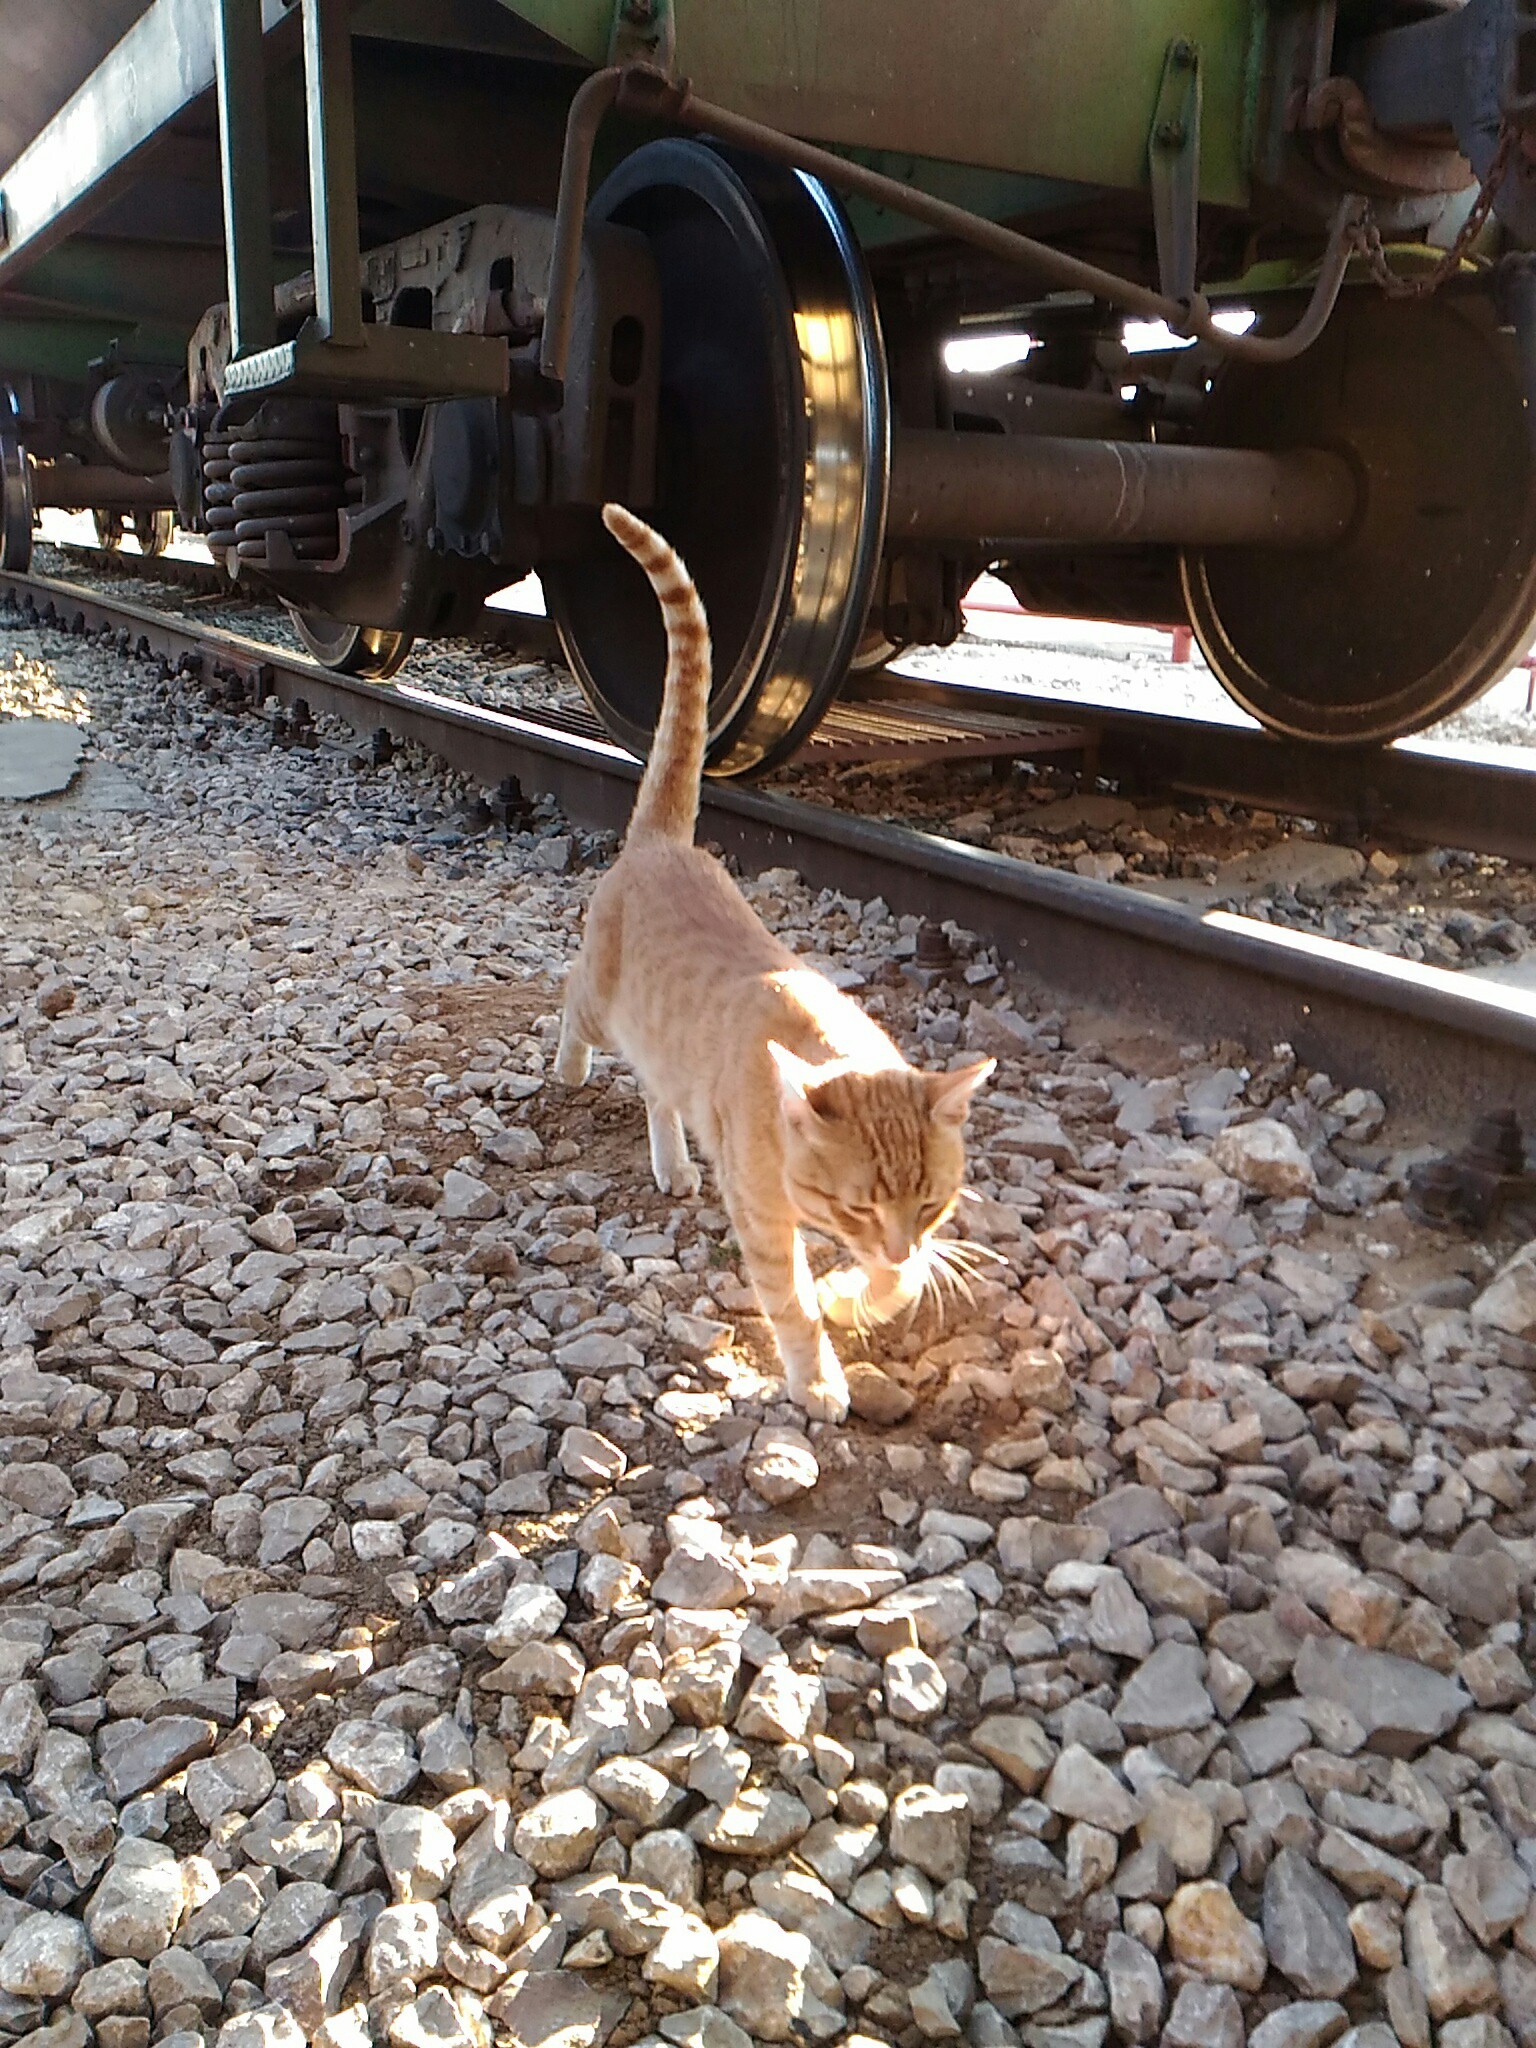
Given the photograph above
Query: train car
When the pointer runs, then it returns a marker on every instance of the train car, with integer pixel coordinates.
(386, 299)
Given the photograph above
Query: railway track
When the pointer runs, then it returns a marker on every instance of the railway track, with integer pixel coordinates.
(1442, 1046)
(1402, 792)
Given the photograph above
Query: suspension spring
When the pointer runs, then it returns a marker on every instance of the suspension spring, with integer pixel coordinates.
(281, 472)
(218, 491)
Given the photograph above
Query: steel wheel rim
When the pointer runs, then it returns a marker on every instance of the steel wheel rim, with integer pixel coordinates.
(155, 531)
(15, 488)
(372, 653)
(1455, 585)
(788, 606)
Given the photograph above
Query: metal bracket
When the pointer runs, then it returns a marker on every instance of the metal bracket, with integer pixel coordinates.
(1173, 158)
(643, 33)
(336, 355)
(244, 161)
(389, 366)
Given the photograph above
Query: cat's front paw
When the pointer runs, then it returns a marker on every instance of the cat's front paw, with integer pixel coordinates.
(681, 1180)
(823, 1391)
(842, 1297)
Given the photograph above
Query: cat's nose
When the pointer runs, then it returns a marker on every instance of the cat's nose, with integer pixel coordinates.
(898, 1243)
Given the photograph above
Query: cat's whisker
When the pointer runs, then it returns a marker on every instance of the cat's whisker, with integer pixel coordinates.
(968, 1252)
(953, 1268)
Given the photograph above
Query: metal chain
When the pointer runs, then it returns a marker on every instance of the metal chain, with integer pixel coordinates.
(1450, 262)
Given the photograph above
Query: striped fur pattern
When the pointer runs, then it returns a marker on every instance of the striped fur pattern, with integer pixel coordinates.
(803, 1107)
(668, 802)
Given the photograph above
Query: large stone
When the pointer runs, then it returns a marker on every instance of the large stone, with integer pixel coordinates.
(23, 1725)
(1166, 1695)
(38, 757)
(1306, 1928)
(138, 1755)
(1489, 1890)
(686, 1960)
(806, 1907)
(138, 1905)
(1020, 1980)
(557, 2009)
(1130, 1514)
(775, 1984)
(1508, 1302)
(529, 1614)
(380, 1759)
(417, 1850)
(1293, 862)
(403, 1945)
(1208, 1934)
(1081, 1788)
(1266, 1157)
(756, 1823)
(1118, 1624)
(311, 1982)
(45, 1957)
(1204, 2016)
(235, 1781)
(932, 1830)
(558, 1834)
(266, 2026)
(1134, 1982)
(1018, 1746)
(781, 1465)
(1402, 1706)
(291, 1918)
(1313, 2023)
(1453, 1973)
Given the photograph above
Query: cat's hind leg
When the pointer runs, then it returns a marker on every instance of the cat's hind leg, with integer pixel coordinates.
(675, 1172)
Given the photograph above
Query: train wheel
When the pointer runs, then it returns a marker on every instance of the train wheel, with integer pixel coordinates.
(110, 527)
(15, 489)
(368, 652)
(155, 531)
(1431, 596)
(772, 456)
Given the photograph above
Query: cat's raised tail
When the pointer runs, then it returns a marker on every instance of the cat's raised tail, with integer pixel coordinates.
(668, 804)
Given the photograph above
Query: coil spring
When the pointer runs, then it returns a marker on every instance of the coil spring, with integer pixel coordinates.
(283, 471)
(218, 491)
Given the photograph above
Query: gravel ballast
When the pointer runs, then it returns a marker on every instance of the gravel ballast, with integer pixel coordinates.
(423, 1620)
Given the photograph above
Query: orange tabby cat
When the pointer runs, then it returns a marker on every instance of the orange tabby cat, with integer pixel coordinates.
(804, 1108)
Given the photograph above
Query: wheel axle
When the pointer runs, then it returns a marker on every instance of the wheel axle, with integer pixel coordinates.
(1003, 488)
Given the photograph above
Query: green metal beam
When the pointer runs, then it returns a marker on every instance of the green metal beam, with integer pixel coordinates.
(82, 158)
(1059, 89)
(66, 348)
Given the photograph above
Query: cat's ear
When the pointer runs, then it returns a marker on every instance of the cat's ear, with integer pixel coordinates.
(797, 1077)
(949, 1095)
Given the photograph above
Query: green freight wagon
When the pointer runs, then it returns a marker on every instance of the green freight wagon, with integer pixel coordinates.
(387, 299)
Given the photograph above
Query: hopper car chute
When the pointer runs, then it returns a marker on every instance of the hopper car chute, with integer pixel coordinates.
(387, 298)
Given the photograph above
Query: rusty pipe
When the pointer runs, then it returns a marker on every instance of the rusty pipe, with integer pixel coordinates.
(646, 92)
(999, 488)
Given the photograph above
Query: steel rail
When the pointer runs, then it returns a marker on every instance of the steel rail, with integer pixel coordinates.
(1404, 792)
(1440, 1046)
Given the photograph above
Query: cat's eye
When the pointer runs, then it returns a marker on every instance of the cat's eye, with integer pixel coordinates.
(927, 1217)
